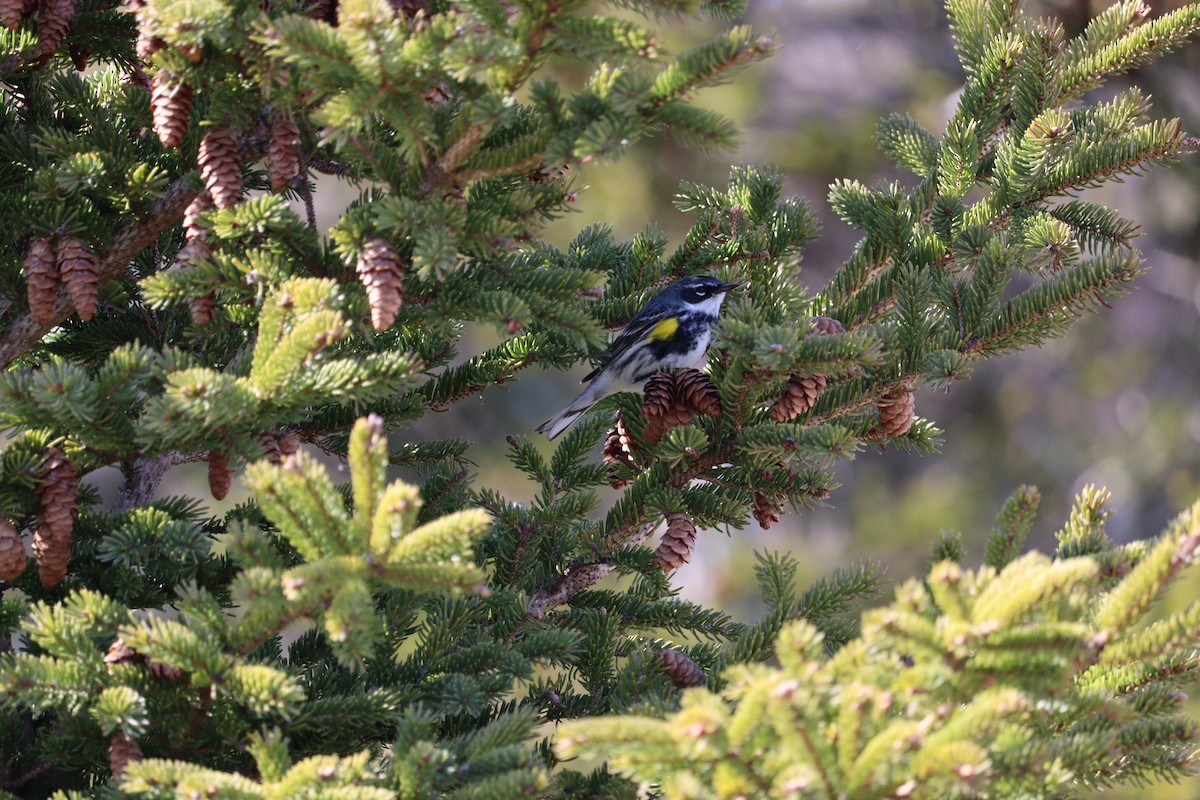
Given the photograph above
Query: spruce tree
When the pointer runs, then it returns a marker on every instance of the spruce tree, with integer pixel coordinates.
(422, 637)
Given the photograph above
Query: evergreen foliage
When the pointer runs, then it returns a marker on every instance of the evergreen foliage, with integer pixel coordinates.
(1020, 679)
(419, 639)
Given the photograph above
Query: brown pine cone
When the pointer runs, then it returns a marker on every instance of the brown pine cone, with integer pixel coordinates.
(697, 391)
(289, 444)
(897, 409)
(677, 543)
(171, 107)
(122, 751)
(148, 44)
(684, 672)
(202, 308)
(55, 18)
(220, 162)
(618, 449)
(13, 12)
(283, 153)
(382, 274)
(80, 55)
(269, 443)
(41, 279)
(827, 325)
(766, 511)
(164, 672)
(119, 652)
(12, 551)
(201, 204)
(799, 396)
(58, 493)
(77, 266)
(658, 394)
(220, 474)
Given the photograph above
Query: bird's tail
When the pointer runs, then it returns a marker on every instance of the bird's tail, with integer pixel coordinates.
(574, 410)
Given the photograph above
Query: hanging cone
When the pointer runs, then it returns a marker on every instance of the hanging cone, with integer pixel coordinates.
(13, 13)
(164, 672)
(766, 511)
(12, 551)
(58, 493)
(201, 204)
(269, 443)
(77, 266)
(897, 409)
(202, 309)
(80, 54)
(171, 107)
(677, 543)
(827, 325)
(220, 162)
(799, 396)
(684, 672)
(119, 652)
(283, 153)
(618, 449)
(382, 274)
(697, 391)
(41, 279)
(55, 18)
(148, 44)
(658, 394)
(220, 474)
(122, 751)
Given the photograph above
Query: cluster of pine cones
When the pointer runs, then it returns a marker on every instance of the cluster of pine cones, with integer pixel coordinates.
(58, 498)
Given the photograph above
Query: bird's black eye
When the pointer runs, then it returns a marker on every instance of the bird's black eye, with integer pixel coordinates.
(696, 295)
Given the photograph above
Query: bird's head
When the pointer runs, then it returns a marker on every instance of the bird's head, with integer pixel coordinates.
(701, 292)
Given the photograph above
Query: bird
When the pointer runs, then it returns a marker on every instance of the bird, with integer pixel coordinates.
(671, 331)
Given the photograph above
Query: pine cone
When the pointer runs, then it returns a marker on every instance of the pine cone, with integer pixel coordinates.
(77, 265)
(201, 204)
(382, 273)
(202, 308)
(677, 543)
(41, 279)
(658, 394)
(13, 13)
(827, 325)
(122, 751)
(80, 55)
(220, 162)
(220, 474)
(799, 396)
(618, 449)
(164, 672)
(766, 511)
(55, 18)
(148, 44)
(684, 672)
(897, 410)
(58, 493)
(283, 153)
(171, 106)
(289, 444)
(697, 391)
(269, 444)
(12, 551)
(119, 652)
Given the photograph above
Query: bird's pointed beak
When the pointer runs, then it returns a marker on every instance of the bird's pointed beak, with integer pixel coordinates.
(729, 287)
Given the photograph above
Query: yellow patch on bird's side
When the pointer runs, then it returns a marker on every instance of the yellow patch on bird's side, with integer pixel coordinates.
(663, 330)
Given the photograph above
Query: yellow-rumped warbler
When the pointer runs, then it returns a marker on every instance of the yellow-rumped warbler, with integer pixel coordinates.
(673, 330)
